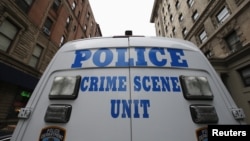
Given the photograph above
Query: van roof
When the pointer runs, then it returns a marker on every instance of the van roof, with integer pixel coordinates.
(116, 41)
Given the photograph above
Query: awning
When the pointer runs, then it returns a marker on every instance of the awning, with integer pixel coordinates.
(17, 77)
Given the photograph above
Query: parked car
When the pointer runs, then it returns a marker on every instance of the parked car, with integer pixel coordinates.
(5, 137)
(5, 134)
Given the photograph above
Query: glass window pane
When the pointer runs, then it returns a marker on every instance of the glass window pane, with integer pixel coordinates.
(233, 41)
(68, 20)
(190, 3)
(37, 51)
(73, 6)
(223, 15)
(48, 23)
(196, 15)
(33, 61)
(8, 29)
(23, 5)
(248, 81)
(4, 43)
(246, 72)
(29, 2)
(203, 36)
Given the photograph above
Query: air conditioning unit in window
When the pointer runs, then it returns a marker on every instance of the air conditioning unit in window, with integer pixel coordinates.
(46, 30)
(234, 50)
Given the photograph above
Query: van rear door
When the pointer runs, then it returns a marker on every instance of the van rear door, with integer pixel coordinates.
(99, 112)
(159, 109)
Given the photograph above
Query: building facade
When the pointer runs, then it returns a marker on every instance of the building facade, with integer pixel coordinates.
(220, 28)
(31, 32)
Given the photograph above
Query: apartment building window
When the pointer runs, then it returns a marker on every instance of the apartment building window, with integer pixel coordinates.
(190, 3)
(73, 7)
(171, 18)
(56, 5)
(47, 26)
(195, 15)
(36, 54)
(24, 4)
(208, 53)
(78, 15)
(233, 41)
(238, 2)
(68, 22)
(174, 30)
(184, 31)
(169, 7)
(245, 75)
(166, 28)
(88, 15)
(223, 14)
(177, 4)
(62, 41)
(8, 33)
(203, 36)
(180, 17)
(85, 28)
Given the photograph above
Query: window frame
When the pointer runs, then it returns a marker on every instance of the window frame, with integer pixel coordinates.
(73, 6)
(195, 15)
(166, 28)
(68, 21)
(34, 56)
(24, 5)
(245, 79)
(190, 3)
(174, 31)
(184, 31)
(88, 15)
(56, 4)
(169, 7)
(10, 39)
(234, 44)
(177, 4)
(171, 18)
(203, 38)
(85, 27)
(223, 16)
(181, 17)
(62, 40)
(47, 26)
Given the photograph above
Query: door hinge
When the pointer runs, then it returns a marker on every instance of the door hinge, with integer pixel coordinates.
(24, 113)
(238, 113)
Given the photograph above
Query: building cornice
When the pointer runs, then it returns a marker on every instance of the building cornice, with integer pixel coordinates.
(236, 56)
(231, 20)
(154, 10)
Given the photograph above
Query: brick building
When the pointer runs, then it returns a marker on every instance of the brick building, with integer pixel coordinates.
(31, 31)
(220, 28)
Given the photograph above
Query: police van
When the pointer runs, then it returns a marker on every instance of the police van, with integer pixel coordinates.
(127, 88)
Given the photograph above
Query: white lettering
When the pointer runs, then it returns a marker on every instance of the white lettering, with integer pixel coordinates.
(216, 132)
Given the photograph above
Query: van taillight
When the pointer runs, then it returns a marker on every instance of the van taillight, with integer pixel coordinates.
(58, 113)
(196, 87)
(203, 113)
(65, 87)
